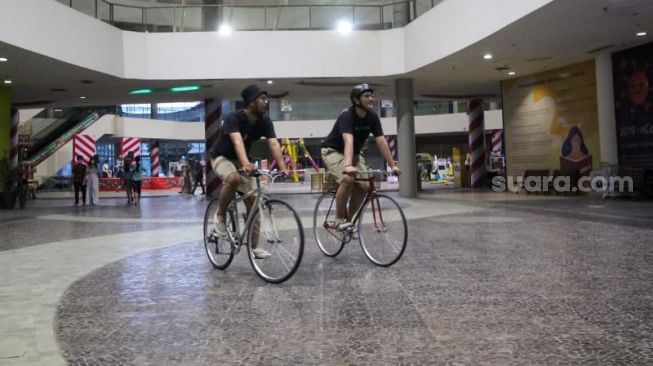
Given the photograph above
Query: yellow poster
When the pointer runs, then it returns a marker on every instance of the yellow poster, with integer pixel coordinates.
(551, 121)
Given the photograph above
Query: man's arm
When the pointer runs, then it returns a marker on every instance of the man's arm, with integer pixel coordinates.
(241, 154)
(275, 149)
(348, 152)
(382, 144)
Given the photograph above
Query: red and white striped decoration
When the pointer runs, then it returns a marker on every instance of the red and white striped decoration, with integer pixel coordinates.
(497, 143)
(154, 159)
(476, 142)
(392, 144)
(13, 152)
(213, 109)
(128, 144)
(83, 145)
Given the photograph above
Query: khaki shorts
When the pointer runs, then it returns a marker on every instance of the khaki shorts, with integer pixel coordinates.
(335, 162)
(224, 167)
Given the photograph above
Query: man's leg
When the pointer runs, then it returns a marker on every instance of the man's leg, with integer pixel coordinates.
(342, 196)
(84, 194)
(76, 185)
(357, 198)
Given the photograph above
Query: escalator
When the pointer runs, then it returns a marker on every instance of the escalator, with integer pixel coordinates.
(61, 130)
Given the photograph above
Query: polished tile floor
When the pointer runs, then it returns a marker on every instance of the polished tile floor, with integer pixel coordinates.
(487, 279)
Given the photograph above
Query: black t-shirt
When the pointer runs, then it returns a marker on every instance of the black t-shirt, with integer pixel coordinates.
(238, 122)
(348, 122)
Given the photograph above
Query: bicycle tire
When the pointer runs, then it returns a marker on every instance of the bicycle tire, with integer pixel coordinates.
(329, 240)
(220, 253)
(382, 230)
(282, 235)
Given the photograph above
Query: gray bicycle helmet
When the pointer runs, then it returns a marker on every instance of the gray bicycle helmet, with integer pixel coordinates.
(358, 90)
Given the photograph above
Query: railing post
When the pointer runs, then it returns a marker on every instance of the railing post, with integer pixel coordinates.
(144, 19)
(381, 26)
(310, 21)
(95, 9)
(111, 13)
(265, 17)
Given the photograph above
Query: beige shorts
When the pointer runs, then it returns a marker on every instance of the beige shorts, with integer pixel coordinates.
(335, 162)
(224, 167)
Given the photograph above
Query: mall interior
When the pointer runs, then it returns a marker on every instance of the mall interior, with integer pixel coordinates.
(523, 131)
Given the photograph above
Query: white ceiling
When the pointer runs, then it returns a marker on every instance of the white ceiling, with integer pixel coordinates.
(561, 33)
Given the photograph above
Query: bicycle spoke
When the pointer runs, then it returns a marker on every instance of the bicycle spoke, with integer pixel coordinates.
(382, 230)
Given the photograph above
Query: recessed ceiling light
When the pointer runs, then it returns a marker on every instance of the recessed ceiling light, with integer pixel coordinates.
(225, 29)
(7, 81)
(344, 26)
(640, 34)
(511, 73)
(3, 59)
(487, 56)
(82, 97)
(270, 82)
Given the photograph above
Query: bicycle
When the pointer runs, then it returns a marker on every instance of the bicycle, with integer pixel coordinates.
(379, 223)
(283, 235)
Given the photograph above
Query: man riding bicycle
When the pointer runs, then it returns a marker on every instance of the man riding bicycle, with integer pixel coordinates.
(231, 152)
(341, 151)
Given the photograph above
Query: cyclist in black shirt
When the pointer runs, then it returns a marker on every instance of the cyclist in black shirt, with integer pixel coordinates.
(239, 131)
(341, 151)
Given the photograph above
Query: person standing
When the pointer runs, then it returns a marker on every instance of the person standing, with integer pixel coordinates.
(199, 177)
(93, 180)
(137, 179)
(79, 180)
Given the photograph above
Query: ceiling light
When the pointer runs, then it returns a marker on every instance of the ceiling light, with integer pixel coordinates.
(640, 34)
(186, 88)
(7, 82)
(487, 56)
(225, 30)
(141, 91)
(270, 82)
(3, 59)
(344, 27)
(511, 73)
(82, 97)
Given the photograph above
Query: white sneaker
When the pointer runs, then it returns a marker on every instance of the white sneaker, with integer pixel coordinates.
(219, 230)
(260, 253)
(342, 224)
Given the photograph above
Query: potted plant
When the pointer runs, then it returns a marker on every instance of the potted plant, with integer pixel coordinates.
(8, 183)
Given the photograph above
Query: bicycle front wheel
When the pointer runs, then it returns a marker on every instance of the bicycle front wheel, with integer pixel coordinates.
(277, 230)
(382, 230)
(219, 251)
(329, 240)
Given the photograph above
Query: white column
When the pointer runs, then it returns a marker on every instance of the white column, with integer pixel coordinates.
(605, 103)
(406, 138)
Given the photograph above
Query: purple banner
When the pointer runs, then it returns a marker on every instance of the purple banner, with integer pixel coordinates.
(633, 78)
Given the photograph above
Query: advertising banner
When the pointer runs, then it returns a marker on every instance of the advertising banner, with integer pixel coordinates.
(551, 121)
(632, 75)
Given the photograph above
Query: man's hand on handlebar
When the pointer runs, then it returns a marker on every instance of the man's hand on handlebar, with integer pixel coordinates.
(249, 168)
(396, 171)
(351, 170)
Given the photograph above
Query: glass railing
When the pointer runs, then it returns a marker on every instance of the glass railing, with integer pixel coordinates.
(202, 18)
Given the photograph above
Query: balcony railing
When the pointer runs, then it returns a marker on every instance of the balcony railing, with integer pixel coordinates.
(204, 18)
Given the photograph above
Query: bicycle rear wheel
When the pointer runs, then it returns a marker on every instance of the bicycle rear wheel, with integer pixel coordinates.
(382, 230)
(281, 234)
(329, 240)
(220, 252)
